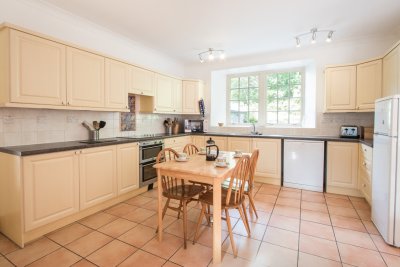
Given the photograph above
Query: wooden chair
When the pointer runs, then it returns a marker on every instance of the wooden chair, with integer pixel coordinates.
(174, 188)
(232, 198)
(191, 149)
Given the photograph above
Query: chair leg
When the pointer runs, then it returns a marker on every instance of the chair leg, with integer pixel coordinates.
(184, 204)
(209, 215)
(252, 206)
(243, 215)
(180, 208)
(228, 222)
(164, 210)
(202, 212)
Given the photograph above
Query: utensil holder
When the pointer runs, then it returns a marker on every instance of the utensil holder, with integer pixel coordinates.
(168, 129)
(94, 135)
(175, 129)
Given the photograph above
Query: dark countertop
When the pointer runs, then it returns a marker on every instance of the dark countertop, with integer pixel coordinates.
(27, 150)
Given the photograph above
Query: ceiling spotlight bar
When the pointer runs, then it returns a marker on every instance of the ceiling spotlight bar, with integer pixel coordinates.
(211, 54)
(313, 32)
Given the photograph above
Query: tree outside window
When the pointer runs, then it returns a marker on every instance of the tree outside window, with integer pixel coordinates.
(244, 99)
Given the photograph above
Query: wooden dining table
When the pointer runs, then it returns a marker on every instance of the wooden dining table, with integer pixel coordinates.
(196, 168)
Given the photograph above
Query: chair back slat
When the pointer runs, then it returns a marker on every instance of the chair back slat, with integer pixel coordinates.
(190, 149)
(165, 155)
(252, 170)
(235, 191)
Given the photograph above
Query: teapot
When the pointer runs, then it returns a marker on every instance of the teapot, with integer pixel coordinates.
(210, 155)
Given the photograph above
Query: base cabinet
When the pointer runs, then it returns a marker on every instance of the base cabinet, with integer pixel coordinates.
(199, 141)
(238, 143)
(269, 160)
(127, 167)
(365, 171)
(177, 143)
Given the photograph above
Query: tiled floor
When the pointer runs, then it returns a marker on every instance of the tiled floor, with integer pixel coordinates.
(294, 228)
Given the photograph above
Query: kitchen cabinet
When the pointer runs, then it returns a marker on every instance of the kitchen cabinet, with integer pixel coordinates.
(391, 72)
(98, 175)
(164, 94)
(239, 143)
(85, 79)
(192, 93)
(117, 83)
(177, 95)
(220, 141)
(369, 84)
(142, 81)
(340, 88)
(177, 143)
(127, 167)
(51, 187)
(365, 171)
(342, 168)
(37, 70)
(199, 140)
(269, 164)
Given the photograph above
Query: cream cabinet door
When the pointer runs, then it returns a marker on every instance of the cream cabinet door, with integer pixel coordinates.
(37, 70)
(164, 94)
(199, 140)
(51, 187)
(239, 143)
(85, 79)
(98, 175)
(340, 88)
(142, 82)
(220, 141)
(270, 157)
(192, 91)
(369, 84)
(391, 73)
(177, 98)
(342, 165)
(117, 83)
(128, 167)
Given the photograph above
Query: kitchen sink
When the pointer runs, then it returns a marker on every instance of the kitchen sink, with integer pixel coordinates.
(256, 133)
(98, 141)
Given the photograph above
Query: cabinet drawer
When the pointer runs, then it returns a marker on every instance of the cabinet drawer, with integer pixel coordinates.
(366, 152)
(365, 188)
(364, 173)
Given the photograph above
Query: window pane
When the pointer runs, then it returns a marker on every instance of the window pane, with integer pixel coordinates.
(253, 93)
(244, 82)
(295, 104)
(272, 117)
(244, 95)
(243, 106)
(272, 105)
(283, 79)
(253, 117)
(296, 90)
(234, 83)
(234, 106)
(283, 92)
(253, 106)
(295, 78)
(271, 80)
(295, 117)
(283, 104)
(235, 94)
(253, 81)
(234, 117)
(243, 117)
(283, 117)
(272, 94)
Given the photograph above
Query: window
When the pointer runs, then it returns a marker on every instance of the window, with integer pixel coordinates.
(274, 98)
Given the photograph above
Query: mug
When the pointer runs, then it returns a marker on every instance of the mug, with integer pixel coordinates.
(221, 161)
(238, 152)
(182, 156)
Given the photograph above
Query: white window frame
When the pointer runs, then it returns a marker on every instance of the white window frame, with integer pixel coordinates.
(262, 93)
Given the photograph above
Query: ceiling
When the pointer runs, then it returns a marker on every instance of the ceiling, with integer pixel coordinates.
(183, 28)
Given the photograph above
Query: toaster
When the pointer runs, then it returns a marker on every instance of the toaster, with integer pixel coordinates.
(351, 131)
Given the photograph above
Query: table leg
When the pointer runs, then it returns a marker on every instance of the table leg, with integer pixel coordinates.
(217, 222)
(160, 207)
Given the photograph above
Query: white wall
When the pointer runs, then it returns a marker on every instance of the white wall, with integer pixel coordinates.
(55, 22)
(322, 54)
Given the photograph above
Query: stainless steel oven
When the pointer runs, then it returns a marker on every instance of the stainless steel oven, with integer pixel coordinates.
(148, 151)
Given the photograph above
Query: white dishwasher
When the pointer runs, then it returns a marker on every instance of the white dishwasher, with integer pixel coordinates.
(303, 165)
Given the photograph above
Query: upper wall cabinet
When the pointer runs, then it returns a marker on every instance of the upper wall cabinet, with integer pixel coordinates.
(142, 82)
(164, 94)
(177, 93)
(391, 72)
(340, 88)
(192, 92)
(37, 69)
(369, 84)
(85, 78)
(117, 83)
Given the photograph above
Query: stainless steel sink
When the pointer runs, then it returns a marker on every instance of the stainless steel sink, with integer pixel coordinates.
(256, 133)
(98, 141)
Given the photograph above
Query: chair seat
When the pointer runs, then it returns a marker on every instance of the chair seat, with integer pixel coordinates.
(207, 198)
(225, 185)
(186, 191)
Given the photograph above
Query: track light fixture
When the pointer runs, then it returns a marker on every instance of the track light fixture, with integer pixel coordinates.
(313, 32)
(211, 54)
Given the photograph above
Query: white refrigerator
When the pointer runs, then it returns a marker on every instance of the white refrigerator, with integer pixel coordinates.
(386, 170)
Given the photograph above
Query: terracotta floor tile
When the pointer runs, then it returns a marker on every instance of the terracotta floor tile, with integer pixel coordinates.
(370, 227)
(32, 252)
(391, 260)
(256, 230)
(354, 238)
(276, 256)
(289, 194)
(6, 245)
(360, 256)
(263, 206)
(205, 236)
(69, 233)
(193, 215)
(138, 200)
(319, 247)
(138, 236)
(314, 216)
(365, 215)
(383, 247)
(117, 227)
(151, 193)
(290, 189)
(194, 255)
(317, 230)
(176, 228)
(307, 260)
(263, 217)
(338, 202)
(313, 198)
(344, 212)
(5, 263)
(142, 259)
(348, 223)
(59, 258)
(246, 247)
(228, 260)
(286, 223)
(268, 191)
(165, 249)
(287, 211)
(266, 198)
(331, 195)
(111, 254)
(89, 243)
(139, 215)
(361, 205)
(83, 263)
(171, 264)
(319, 207)
(291, 202)
(153, 221)
(152, 205)
(121, 209)
(282, 238)
(97, 220)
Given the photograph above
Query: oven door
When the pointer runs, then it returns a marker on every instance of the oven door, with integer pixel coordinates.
(147, 173)
(149, 153)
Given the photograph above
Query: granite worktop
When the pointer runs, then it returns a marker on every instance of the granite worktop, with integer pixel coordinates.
(27, 150)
